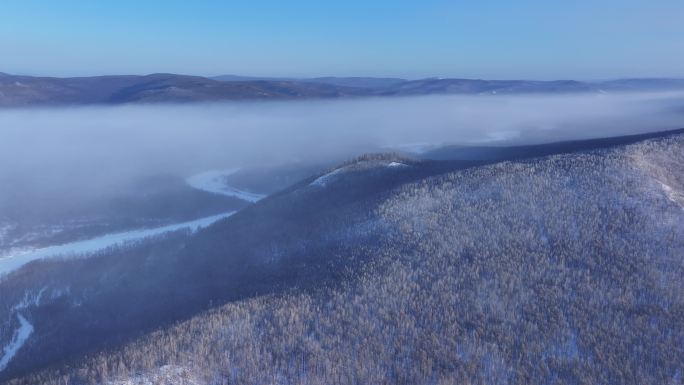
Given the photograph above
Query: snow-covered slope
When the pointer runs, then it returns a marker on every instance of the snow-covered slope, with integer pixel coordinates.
(563, 269)
(573, 256)
(323, 180)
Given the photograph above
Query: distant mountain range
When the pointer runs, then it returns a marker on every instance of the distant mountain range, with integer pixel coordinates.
(18, 90)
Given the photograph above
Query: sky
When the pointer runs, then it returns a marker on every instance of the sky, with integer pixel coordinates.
(531, 39)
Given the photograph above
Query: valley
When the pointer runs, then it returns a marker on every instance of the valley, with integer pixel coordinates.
(341, 193)
(384, 232)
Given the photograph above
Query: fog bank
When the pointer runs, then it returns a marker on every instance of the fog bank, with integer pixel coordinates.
(97, 149)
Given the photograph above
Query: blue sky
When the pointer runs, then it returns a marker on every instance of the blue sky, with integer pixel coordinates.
(578, 39)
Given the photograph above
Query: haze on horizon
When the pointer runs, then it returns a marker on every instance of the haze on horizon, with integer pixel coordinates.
(47, 151)
(493, 39)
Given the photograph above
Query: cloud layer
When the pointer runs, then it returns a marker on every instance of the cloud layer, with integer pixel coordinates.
(98, 148)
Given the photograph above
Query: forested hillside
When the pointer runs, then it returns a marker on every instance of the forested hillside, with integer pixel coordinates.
(564, 269)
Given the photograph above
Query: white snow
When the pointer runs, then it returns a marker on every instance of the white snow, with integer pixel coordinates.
(9, 263)
(30, 299)
(321, 181)
(214, 182)
(672, 194)
(18, 340)
(167, 374)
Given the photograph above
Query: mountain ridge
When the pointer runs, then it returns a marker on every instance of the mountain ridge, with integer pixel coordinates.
(22, 91)
(379, 256)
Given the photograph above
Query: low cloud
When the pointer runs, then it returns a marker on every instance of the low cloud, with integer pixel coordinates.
(96, 149)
